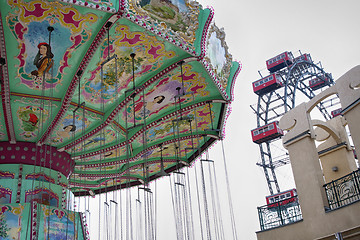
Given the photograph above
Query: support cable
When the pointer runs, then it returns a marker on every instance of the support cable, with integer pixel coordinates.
(233, 224)
(129, 229)
(155, 212)
(182, 76)
(148, 208)
(178, 235)
(152, 230)
(121, 213)
(207, 220)
(72, 154)
(179, 205)
(190, 205)
(198, 203)
(145, 172)
(139, 220)
(127, 176)
(214, 205)
(221, 230)
(147, 220)
(179, 186)
(115, 180)
(102, 107)
(196, 176)
(82, 160)
(106, 221)
(186, 209)
(191, 221)
(132, 55)
(50, 29)
(82, 105)
(113, 216)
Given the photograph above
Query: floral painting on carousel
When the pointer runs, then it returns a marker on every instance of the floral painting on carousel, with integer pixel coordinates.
(58, 224)
(30, 120)
(111, 78)
(10, 221)
(179, 15)
(217, 54)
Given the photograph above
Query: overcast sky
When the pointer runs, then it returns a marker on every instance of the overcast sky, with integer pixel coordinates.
(257, 30)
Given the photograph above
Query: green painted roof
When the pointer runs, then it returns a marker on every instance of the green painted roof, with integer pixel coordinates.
(71, 81)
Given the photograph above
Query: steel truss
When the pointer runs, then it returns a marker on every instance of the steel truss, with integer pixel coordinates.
(273, 105)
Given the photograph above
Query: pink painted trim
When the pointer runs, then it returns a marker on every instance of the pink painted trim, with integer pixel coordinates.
(91, 5)
(30, 154)
(5, 93)
(205, 33)
(18, 193)
(34, 227)
(234, 80)
(228, 109)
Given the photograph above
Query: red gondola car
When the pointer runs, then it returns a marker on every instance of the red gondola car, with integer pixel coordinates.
(282, 198)
(336, 112)
(267, 84)
(280, 61)
(317, 83)
(267, 132)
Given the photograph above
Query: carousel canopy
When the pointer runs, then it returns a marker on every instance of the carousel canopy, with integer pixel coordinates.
(129, 90)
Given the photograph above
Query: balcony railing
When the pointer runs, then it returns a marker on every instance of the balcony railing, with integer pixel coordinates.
(279, 213)
(343, 191)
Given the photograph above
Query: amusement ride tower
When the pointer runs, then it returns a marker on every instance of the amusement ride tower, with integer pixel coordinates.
(99, 96)
(290, 80)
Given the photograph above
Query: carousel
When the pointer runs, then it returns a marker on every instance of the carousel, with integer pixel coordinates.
(100, 96)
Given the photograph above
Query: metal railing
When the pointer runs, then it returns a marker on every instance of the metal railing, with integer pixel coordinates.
(279, 213)
(343, 191)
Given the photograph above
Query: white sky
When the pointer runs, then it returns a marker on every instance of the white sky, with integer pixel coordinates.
(257, 30)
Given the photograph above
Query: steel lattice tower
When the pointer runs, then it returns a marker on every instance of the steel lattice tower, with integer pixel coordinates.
(295, 89)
